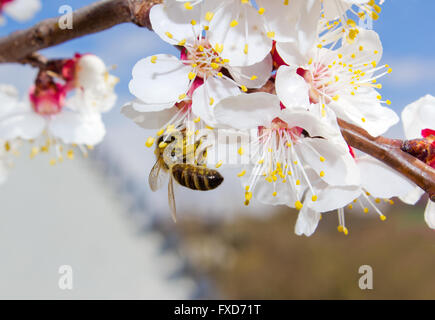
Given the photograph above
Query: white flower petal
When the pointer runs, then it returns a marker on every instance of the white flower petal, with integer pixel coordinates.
(365, 111)
(148, 120)
(22, 122)
(380, 180)
(334, 9)
(333, 197)
(291, 53)
(247, 111)
(295, 21)
(291, 88)
(337, 168)
(234, 39)
(172, 22)
(307, 221)
(78, 128)
(140, 106)
(261, 71)
(413, 196)
(419, 115)
(314, 126)
(208, 95)
(9, 98)
(368, 47)
(22, 10)
(160, 82)
(429, 214)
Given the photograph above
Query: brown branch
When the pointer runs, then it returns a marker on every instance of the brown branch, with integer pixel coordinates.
(389, 152)
(96, 17)
(21, 47)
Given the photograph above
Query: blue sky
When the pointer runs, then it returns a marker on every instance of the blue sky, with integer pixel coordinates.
(405, 27)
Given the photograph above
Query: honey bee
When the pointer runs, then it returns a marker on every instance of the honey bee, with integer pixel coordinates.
(175, 157)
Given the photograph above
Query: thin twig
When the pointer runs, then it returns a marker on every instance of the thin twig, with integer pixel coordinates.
(94, 18)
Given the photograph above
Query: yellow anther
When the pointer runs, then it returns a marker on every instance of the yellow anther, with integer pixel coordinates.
(274, 194)
(254, 77)
(336, 97)
(322, 159)
(366, 210)
(314, 198)
(209, 15)
(153, 59)
(322, 173)
(211, 101)
(388, 102)
(363, 119)
(193, 22)
(271, 34)
(219, 47)
(340, 228)
(350, 206)
(248, 195)
(182, 42)
(298, 205)
(244, 89)
(241, 174)
(196, 120)
(245, 49)
(261, 161)
(298, 182)
(241, 151)
(169, 35)
(52, 161)
(150, 141)
(188, 6)
(345, 231)
(214, 65)
(391, 202)
(382, 217)
(182, 96)
(261, 10)
(233, 23)
(191, 75)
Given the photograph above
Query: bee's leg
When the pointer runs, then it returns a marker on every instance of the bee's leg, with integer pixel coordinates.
(171, 197)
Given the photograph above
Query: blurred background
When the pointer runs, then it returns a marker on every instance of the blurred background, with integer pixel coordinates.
(98, 215)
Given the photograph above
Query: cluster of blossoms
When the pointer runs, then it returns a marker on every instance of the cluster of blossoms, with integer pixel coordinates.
(20, 10)
(62, 111)
(318, 64)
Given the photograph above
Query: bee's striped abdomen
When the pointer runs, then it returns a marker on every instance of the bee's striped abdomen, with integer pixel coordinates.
(195, 177)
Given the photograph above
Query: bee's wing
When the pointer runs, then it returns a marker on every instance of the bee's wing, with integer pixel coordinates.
(171, 198)
(157, 176)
